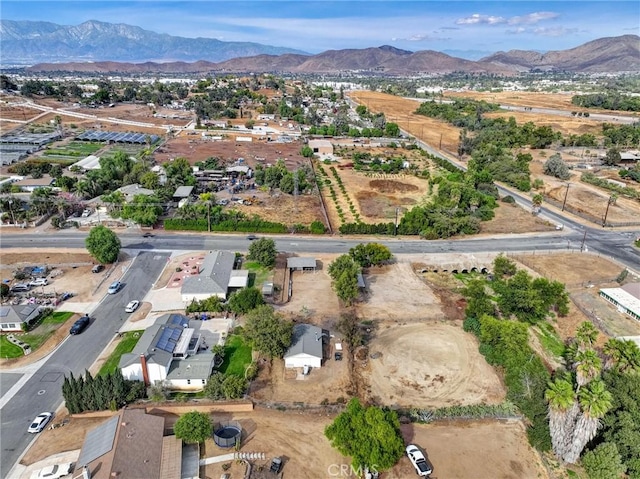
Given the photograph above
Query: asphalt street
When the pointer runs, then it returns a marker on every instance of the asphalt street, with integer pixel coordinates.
(610, 242)
(43, 389)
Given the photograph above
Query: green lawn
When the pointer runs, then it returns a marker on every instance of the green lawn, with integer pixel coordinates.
(57, 317)
(9, 350)
(549, 338)
(237, 356)
(126, 345)
(45, 329)
(258, 274)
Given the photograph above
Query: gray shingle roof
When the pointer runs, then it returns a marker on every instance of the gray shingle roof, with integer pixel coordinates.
(215, 272)
(193, 367)
(301, 262)
(307, 339)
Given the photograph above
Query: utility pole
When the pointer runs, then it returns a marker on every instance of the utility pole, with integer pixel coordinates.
(395, 230)
(583, 240)
(566, 193)
(440, 147)
(606, 213)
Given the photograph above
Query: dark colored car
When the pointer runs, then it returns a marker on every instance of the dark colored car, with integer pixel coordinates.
(147, 235)
(97, 268)
(252, 237)
(80, 325)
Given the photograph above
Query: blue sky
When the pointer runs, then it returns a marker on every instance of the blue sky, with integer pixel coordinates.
(318, 26)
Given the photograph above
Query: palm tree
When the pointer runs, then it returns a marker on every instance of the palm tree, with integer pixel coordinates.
(586, 335)
(622, 355)
(588, 366)
(563, 411)
(594, 401)
(208, 199)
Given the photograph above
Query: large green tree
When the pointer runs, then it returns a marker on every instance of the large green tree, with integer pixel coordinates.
(245, 300)
(144, 210)
(103, 244)
(344, 274)
(370, 254)
(370, 435)
(193, 427)
(268, 332)
(604, 462)
(263, 251)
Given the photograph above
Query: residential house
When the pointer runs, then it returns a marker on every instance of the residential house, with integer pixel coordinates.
(215, 277)
(130, 191)
(169, 351)
(12, 318)
(30, 184)
(306, 347)
(133, 445)
(322, 148)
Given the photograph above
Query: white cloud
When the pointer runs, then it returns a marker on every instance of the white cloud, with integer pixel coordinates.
(532, 18)
(553, 31)
(419, 37)
(477, 18)
(544, 31)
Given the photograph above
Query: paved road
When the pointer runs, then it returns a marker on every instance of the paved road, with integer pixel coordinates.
(43, 389)
(613, 243)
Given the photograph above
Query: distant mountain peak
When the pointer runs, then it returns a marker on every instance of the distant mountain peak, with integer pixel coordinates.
(26, 42)
(397, 51)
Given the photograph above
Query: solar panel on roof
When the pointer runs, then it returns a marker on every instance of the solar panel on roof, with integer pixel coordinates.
(175, 335)
(176, 319)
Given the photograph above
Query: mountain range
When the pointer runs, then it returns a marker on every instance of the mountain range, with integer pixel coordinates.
(104, 48)
(26, 43)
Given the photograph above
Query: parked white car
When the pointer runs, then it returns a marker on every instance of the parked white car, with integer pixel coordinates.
(420, 463)
(40, 422)
(132, 306)
(39, 282)
(53, 472)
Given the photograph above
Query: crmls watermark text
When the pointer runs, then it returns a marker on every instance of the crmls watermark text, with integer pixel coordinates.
(348, 470)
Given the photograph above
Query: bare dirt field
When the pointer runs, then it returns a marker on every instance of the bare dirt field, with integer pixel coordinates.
(312, 291)
(565, 125)
(585, 198)
(401, 111)
(70, 271)
(514, 219)
(195, 148)
(475, 449)
(276, 384)
(99, 123)
(396, 293)
(287, 209)
(559, 101)
(18, 112)
(431, 364)
(574, 269)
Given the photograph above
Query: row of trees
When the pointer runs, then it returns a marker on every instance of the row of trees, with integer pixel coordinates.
(110, 391)
(607, 101)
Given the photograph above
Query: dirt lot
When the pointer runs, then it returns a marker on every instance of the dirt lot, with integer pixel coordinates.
(559, 101)
(70, 271)
(578, 272)
(433, 364)
(583, 197)
(312, 291)
(396, 293)
(479, 450)
(195, 148)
